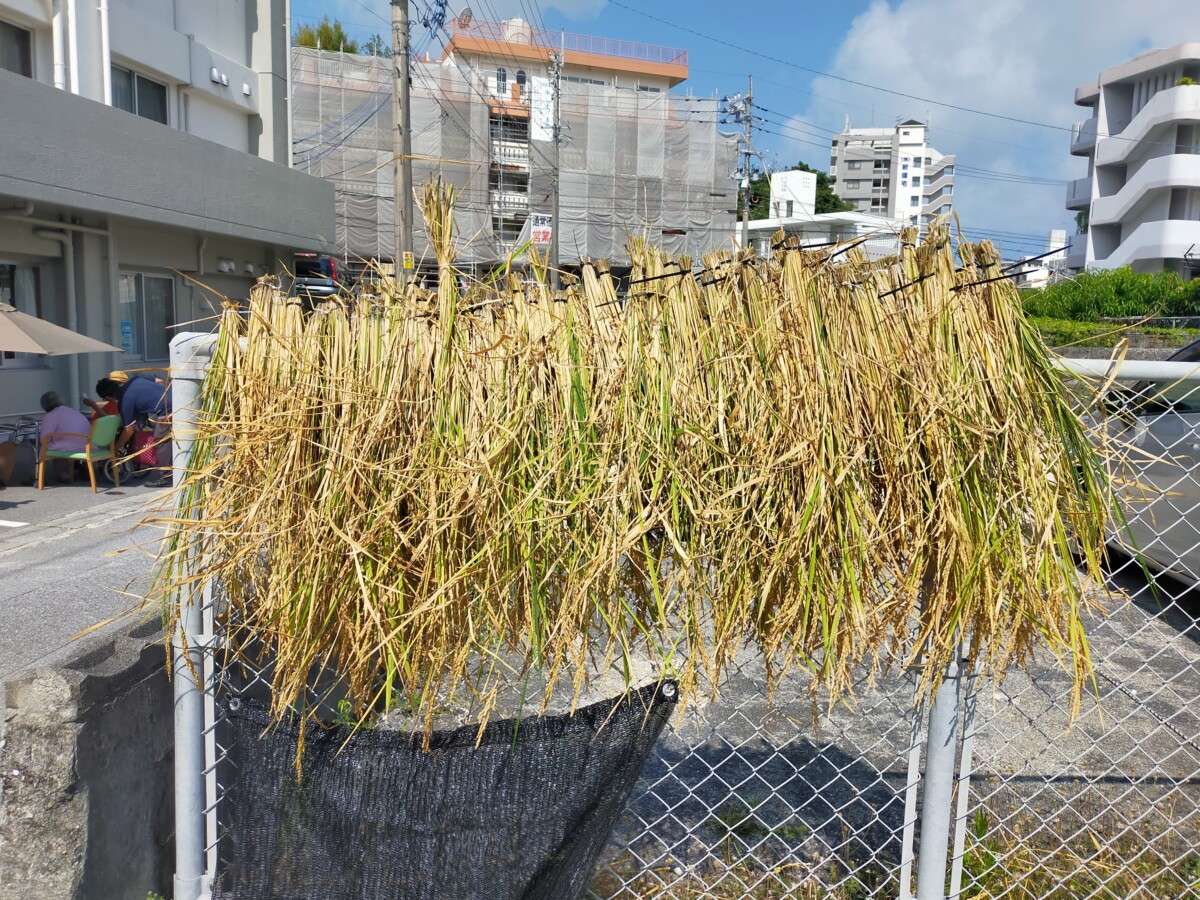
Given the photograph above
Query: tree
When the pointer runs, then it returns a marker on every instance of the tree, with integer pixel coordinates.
(827, 200)
(1081, 220)
(375, 46)
(325, 36)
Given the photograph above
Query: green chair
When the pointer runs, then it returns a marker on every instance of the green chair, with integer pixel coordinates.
(101, 445)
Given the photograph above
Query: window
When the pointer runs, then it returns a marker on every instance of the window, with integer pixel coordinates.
(851, 185)
(509, 128)
(928, 161)
(521, 77)
(832, 163)
(649, 89)
(916, 163)
(915, 201)
(20, 286)
(790, 205)
(147, 306)
(139, 95)
(16, 50)
(501, 82)
(576, 79)
(916, 182)
(949, 170)
(854, 164)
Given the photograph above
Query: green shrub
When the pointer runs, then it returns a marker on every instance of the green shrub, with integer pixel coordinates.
(1114, 294)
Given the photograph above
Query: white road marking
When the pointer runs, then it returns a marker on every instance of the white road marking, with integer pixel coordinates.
(5, 523)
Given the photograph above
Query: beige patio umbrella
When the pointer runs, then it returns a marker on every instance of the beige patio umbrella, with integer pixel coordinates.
(23, 333)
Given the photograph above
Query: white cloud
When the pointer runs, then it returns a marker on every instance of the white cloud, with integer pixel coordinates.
(1019, 58)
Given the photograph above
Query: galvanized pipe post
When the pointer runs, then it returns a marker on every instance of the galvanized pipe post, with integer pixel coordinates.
(190, 357)
(937, 794)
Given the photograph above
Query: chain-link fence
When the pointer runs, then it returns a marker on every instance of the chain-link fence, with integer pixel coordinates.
(766, 797)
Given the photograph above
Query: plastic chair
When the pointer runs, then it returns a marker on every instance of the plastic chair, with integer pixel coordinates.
(101, 445)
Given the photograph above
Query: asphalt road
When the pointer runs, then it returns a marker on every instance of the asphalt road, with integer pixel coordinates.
(70, 559)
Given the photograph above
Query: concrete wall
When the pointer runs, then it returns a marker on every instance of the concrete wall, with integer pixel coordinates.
(90, 157)
(86, 795)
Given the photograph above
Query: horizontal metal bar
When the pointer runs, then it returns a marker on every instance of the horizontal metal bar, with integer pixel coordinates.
(1130, 369)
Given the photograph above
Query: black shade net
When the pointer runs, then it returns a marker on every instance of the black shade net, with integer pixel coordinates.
(526, 814)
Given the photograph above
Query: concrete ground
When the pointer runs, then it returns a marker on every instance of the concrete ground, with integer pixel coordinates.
(70, 560)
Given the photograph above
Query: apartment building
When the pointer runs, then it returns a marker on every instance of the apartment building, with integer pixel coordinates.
(892, 172)
(633, 159)
(143, 172)
(1142, 145)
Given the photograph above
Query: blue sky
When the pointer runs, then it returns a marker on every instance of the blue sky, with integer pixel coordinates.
(1012, 59)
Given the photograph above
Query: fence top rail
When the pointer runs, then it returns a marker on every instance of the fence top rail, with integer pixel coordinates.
(1131, 369)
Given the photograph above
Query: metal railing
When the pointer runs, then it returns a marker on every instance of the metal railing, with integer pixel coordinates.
(523, 33)
(991, 791)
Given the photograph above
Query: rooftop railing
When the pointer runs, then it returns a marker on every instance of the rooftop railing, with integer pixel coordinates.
(522, 33)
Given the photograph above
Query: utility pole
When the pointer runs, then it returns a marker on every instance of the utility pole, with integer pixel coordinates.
(556, 225)
(402, 143)
(741, 109)
(747, 124)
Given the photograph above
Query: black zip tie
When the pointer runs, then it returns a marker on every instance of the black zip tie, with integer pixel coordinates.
(903, 286)
(985, 281)
(609, 302)
(847, 248)
(1021, 262)
(678, 274)
(796, 237)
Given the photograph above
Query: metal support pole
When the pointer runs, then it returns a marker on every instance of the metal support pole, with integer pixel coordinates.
(965, 769)
(190, 356)
(747, 124)
(938, 793)
(556, 61)
(402, 146)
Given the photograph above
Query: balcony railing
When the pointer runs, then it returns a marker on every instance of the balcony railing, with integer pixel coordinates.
(510, 153)
(1083, 136)
(509, 201)
(1079, 193)
(563, 41)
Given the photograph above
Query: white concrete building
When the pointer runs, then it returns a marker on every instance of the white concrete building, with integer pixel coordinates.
(1142, 144)
(793, 194)
(144, 153)
(892, 172)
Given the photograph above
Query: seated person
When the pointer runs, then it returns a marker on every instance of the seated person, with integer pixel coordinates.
(63, 428)
(143, 408)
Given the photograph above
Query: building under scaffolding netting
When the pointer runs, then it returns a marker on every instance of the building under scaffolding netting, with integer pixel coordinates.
(635, 160)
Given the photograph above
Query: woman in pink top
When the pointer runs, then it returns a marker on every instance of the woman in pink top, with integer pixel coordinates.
(63, 428)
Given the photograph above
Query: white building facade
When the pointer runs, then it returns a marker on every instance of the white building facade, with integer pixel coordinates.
(143, 174)
(892, 172)
(1142, 145)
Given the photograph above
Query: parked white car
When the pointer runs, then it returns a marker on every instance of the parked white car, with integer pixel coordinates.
(1157, 426)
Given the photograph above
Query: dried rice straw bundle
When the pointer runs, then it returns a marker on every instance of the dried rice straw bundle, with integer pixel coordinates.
(844, 463)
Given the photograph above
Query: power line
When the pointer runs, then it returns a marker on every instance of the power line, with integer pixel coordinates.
(874, 87)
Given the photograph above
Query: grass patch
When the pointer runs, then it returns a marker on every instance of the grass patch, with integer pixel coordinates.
(1067, 332)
